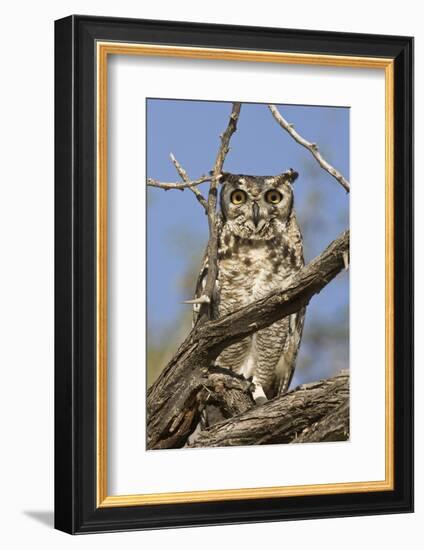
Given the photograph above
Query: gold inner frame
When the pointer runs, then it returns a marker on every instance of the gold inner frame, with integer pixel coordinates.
(104, 49)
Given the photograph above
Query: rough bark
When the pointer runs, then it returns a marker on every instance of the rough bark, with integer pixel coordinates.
(332, 427)
(226, 391)
(311, 412)
(173, 407)
(229, 392)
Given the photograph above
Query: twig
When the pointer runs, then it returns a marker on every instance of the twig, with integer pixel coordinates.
(211, 210)
(200, 300)
(312, 148)
(187, 181)
(179, 186)
(222, 153)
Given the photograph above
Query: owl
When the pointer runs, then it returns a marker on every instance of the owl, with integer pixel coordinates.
(260, 246)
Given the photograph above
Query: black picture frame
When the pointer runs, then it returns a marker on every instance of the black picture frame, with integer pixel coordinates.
(76, 509)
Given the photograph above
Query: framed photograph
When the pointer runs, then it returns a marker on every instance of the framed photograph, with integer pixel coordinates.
(234, 269)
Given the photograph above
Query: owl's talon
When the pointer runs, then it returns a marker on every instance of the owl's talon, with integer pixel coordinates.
(261, 400)
(259, 394)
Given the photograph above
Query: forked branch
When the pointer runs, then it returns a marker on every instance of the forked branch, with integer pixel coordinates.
(209, 206)
(312, 148)
(167, 186)
(186, 180)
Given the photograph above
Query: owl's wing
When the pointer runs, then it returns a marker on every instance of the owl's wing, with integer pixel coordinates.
(200, 285)
(201, 282)
(287, 363)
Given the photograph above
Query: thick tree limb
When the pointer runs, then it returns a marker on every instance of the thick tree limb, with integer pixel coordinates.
(230, 393)
(311, 412)
(312, 148)
(332, 427)
(172, 406)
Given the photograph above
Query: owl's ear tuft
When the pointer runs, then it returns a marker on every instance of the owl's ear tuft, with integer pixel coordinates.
(224, 176)
(289, 175)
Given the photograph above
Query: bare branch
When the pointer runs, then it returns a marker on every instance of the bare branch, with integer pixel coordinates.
(312, 147)
(211, 210)
(200, 300)
(172, 400)
(178, 186)
(187, 181)
(318, 411)
(222, 153)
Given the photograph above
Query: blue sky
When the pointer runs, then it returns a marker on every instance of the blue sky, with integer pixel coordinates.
(177, 227)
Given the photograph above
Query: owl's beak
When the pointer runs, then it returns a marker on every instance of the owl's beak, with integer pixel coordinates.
(256, 213)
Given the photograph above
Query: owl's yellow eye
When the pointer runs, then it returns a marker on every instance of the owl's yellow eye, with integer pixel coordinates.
(273, 196)
(238, 197)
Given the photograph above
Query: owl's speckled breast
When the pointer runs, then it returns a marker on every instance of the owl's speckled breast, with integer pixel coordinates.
(250, 269)
(260, 246)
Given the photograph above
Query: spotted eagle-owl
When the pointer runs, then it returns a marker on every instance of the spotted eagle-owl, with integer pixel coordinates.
(260, 246)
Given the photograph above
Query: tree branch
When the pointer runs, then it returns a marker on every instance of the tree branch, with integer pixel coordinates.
(179, 186)
(187, 181)
(312, 412)
(332, 427)
(209, 206)
(206, 308)
(172, 405)
(312, 148)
